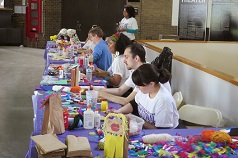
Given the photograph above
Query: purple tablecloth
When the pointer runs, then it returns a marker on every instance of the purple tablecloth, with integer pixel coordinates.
(49, 44)
(32, 153)
(101, 83)
(50, 61)
(99, 80)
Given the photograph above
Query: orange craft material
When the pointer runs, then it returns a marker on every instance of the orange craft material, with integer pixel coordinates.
(221, 137)
(75, 89)
(206, 135)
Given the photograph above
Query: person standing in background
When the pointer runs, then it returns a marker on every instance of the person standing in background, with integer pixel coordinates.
(102, 57)
(128, 25)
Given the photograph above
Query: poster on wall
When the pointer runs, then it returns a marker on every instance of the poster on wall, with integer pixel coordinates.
(192, 19)
(1, 3)
(224, 20)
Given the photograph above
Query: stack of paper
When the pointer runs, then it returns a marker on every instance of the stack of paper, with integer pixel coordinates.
(49, 146)
(78, 147)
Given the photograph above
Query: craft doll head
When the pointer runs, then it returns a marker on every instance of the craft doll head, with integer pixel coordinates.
(63, 31)
(73, 36)
(115, 124)
(71, 32)
(62, 35)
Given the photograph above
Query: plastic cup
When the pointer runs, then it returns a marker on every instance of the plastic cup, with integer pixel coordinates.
(91, 98)
(81, 59)
(66, 117)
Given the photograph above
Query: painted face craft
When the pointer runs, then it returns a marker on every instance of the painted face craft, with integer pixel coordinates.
(115, 129)
(114, 125)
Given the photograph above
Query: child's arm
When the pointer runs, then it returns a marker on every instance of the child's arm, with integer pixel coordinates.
(147, 125)
(125, 109)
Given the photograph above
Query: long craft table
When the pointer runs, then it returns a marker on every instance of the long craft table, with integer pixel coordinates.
(93, 140)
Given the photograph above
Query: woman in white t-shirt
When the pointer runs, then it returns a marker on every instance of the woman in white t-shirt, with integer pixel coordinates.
(155, 104)
(118, 73)
(128, 25)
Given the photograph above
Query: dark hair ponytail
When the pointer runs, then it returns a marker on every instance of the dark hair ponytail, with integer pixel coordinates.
(147, 73)
(164, 75)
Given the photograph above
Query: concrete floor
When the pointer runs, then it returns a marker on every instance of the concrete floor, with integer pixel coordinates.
(21, 70)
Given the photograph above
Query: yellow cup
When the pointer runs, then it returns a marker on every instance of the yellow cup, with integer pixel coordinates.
(104, 106)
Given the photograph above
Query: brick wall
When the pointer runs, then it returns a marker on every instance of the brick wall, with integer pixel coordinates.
(52, 14)
(154, 18)
(51, 22)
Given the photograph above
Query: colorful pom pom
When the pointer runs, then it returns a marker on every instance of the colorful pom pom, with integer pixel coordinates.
(206, 135)
(221, 137)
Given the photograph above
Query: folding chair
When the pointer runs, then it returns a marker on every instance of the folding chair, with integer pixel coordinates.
(178, 97)
(201, 115)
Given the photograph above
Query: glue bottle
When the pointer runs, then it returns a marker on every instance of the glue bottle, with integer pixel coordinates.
(96, 119)
(86, 61)
(61, 73)
(89, 73)
(88, 117)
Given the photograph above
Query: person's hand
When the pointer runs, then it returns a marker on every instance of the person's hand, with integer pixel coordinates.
(110, 110)
(99, 70)
(99, 73)
(96, 72)
(121, 29)
(101, 93)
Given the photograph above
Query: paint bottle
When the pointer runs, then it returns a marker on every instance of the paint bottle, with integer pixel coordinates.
(89, 73)
(88, 117)
(96, 119)
(61, 73)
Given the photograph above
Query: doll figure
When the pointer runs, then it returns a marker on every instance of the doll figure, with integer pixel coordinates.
(115, 129)
(62, 35)
(74, 40)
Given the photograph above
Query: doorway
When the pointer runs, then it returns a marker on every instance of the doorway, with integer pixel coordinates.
(81, 15)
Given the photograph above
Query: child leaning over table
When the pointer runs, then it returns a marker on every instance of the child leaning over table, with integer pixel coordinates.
(153, 102)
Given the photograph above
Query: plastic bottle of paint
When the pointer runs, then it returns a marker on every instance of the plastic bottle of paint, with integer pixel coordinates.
(61, 73)
(88, 117)
(96, 119)
(89, 73)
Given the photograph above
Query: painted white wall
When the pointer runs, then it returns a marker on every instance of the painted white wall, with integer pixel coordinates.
(150, 55)
(221, 56)
(203, 89)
